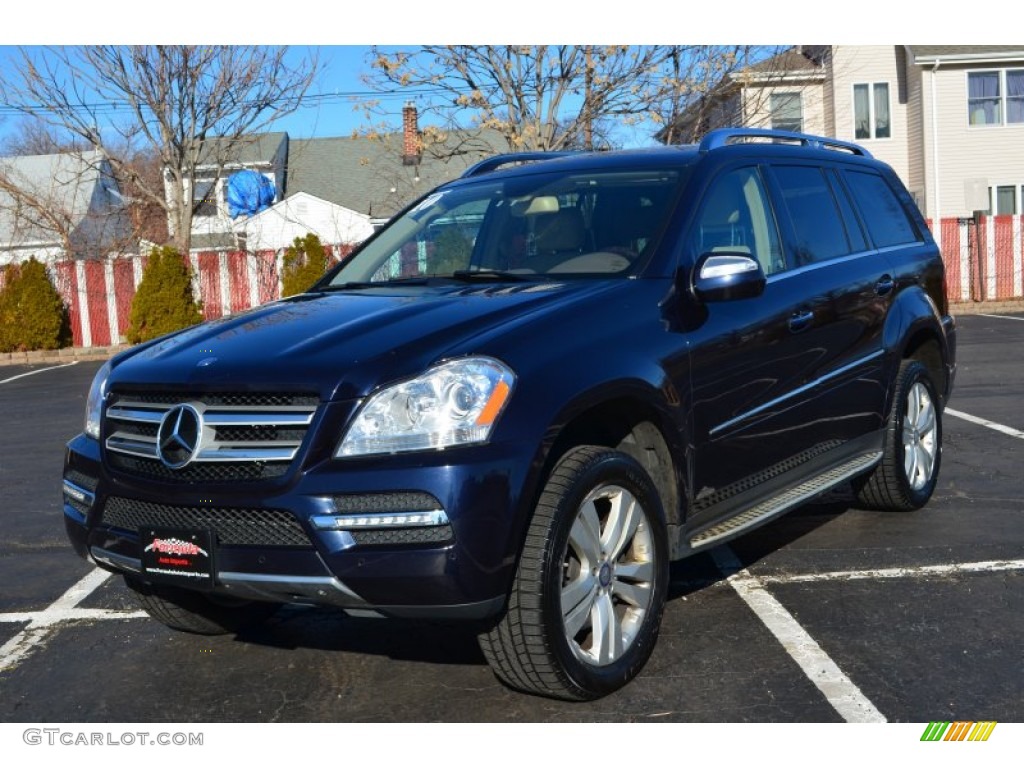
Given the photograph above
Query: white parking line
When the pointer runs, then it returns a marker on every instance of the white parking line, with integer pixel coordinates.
(845, 697)
(953, 569)
(41, 370)
(986, 423)
(64, 610)
(1001, 317)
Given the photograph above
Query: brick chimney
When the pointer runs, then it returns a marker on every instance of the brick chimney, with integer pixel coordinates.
(411, 145)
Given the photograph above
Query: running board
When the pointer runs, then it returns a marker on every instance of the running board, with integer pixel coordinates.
(785, 501)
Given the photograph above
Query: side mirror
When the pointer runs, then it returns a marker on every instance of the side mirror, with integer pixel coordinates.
(727, 276)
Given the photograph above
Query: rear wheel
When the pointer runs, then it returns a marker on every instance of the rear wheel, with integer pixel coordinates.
(906, 477)
(196, 612)
(586, 605)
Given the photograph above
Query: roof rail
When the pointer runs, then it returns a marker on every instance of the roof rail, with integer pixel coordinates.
(723, 136)
(493, 163)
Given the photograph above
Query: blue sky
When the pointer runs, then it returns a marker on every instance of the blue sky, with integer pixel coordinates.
(332, 105)
(332, 110)
(343, 33)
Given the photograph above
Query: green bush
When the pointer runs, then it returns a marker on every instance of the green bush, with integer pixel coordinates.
(164, 301)
(305, 262)
(32, 314)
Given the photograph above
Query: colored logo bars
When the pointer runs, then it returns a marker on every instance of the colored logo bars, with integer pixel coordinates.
(958, 731)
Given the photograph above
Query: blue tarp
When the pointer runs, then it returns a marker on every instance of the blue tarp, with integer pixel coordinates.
(249, 192)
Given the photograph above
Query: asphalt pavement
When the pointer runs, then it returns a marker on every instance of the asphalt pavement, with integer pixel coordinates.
(910, 617)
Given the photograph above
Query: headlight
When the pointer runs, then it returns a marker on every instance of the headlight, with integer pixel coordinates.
(95, 401)
(455, 403)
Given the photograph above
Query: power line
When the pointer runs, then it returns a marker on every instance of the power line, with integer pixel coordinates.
(110, 107)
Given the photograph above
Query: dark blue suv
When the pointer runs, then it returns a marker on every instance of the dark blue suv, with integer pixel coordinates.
(525, 396)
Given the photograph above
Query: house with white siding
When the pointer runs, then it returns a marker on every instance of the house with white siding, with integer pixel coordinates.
(60, 206)
(948, 119)
(339, 188)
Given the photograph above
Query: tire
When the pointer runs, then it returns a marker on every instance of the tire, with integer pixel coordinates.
(613, 598)
(196, 612)
(905, 478)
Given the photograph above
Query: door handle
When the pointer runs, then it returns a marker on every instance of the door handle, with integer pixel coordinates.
(799, 321)
(884, 285)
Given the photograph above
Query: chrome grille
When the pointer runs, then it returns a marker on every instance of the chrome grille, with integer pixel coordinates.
(244, 436)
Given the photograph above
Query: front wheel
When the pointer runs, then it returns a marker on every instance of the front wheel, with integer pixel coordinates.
(586, 605)
(905, 478)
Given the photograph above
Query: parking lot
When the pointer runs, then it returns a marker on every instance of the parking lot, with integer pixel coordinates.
(829, 614)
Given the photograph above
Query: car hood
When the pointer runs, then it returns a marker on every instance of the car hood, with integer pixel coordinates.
(339, 345)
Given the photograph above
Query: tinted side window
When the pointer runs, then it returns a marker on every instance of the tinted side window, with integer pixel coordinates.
(853, 228)
(737, 217)
(883, 214)
(817, 225)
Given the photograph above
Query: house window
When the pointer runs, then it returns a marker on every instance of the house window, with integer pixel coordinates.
(984, 104)
(871, 119)
(1015, 96)
(787, 112)
(204, 197)
(995, 97)
(1003, 200)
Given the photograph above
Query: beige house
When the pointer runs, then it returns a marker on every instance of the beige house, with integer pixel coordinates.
(948, 119)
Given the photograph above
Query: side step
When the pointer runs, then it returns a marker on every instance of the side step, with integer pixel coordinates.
(785, 501)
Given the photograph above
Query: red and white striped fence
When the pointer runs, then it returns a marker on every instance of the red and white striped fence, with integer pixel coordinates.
(983, 262)
(99, 293)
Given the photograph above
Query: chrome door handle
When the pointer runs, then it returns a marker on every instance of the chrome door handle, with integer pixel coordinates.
(798, 321)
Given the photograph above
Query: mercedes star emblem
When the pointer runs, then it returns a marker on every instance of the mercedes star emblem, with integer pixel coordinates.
(179, 437)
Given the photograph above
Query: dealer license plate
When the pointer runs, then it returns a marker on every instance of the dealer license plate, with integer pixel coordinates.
(177, 556)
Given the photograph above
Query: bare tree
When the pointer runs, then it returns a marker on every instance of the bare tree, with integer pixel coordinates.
(32, 136)
(536, 97)
(736, 87)
(556, 97)
(163, 101)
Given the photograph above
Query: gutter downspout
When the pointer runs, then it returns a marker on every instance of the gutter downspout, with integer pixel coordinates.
(935, 158)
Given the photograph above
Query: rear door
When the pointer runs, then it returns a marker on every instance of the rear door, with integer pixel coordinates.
(788, 377)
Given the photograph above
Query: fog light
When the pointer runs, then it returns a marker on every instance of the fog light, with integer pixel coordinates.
(78, 494)
(380, 520)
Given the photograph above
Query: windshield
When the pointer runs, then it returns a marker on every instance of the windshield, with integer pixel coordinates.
(581, 224)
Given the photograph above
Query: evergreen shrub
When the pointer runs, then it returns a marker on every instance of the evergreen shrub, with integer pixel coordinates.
(164, 301)
(305, 262)
(32, 313)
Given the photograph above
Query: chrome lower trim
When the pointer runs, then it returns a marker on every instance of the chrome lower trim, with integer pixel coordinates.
(787, 500)
(290, 589)
(278, 588)
(116, 561)
(796, 392)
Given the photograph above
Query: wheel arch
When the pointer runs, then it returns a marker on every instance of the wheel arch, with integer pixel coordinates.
(631, 422)
(914, 330)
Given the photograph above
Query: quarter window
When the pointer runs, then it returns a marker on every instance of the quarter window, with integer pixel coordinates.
(884, 215)
(871, 118)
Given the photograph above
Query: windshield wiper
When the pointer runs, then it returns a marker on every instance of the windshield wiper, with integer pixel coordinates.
(361, 284)
(491, 275)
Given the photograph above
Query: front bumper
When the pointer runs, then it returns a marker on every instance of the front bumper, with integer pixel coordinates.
(345, 543)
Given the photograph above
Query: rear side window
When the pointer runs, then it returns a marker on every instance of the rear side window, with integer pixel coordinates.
(817, 224)
(883, 214)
